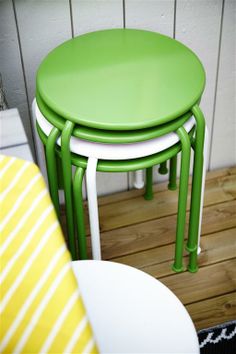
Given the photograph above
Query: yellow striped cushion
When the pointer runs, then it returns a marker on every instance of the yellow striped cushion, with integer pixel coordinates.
(41, 308)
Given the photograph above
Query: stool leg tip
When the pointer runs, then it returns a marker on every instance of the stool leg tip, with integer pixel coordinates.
(163, 170)
(192, 269)
(172, 187)
(148, 196)
(177, 269)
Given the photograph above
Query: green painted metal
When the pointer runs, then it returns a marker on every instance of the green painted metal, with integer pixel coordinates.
(196, 188)
(52, 168)
(121, 79)
(182, 201)
(163, 170)
(67, 178)
(121, 165)
(172, 174)
(109, 136)
(79, 212)
(148, 190)
(132, 165)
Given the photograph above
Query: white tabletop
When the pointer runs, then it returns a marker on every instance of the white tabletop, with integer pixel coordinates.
(132, 312)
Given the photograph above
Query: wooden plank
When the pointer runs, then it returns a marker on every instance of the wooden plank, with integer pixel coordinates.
(157, 261)
(211, 312)
(198, 26)
(116, 197)
(137, 210)
(11, 69)
(224, 134)
(210, 281)
(160, 232)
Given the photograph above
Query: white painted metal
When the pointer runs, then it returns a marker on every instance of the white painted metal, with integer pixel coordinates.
(198, 26)
(93, 207)
(138, 179)
(132, 312)
(223, 151)
(116, 151)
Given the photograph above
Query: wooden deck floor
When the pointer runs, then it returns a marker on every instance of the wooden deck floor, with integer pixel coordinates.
(141, 234)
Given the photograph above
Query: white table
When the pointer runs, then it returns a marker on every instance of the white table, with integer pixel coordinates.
(132, 312)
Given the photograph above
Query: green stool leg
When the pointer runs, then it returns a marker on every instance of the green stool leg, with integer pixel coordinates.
(67, 177)
(79, 212)
(59, 173)
(196, 189)
(163, 170)
(148, 190)
(182, 203)
(52, 168)
(173, 172)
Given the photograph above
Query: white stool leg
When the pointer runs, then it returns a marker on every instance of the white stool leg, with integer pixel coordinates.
(206, 142)
(93, 207)
(138, 179)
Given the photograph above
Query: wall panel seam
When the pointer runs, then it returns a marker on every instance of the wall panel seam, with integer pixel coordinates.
(216, 83)
(124, 14)
(24, 77)
(174, 19)
(71, 19)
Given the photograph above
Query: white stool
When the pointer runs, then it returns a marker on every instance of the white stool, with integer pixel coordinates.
(132, 312)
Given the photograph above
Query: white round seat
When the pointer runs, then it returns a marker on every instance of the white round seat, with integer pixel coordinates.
(132, 312)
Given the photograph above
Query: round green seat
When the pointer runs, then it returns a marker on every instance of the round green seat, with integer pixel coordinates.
(121, 80)
(111, 136)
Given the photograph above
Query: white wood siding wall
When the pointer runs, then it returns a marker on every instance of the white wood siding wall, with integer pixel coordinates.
(29, 29)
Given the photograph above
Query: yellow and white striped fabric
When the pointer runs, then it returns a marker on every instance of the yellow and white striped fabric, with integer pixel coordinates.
(41, 310)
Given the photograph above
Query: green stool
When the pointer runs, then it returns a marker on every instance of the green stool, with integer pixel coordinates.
(125, 86)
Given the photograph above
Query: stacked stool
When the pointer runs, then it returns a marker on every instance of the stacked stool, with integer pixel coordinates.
(115, 101)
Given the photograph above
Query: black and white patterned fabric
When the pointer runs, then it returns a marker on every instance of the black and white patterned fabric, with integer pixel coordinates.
(218, 340)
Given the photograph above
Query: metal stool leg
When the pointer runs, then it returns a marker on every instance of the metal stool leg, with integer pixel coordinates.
(93, 207)
(52, 168)
(205, 153)
(163, 170)
(67, 179)
(79, 212)
(148, 192)
(182, 202)
(138, 179)
(196, 198)
(173, 172)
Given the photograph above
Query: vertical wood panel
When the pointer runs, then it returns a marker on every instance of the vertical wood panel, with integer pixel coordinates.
(93, 15)
(223, 151)
(10, 65)
(198, 26)
(151, 15)
(42, 25)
